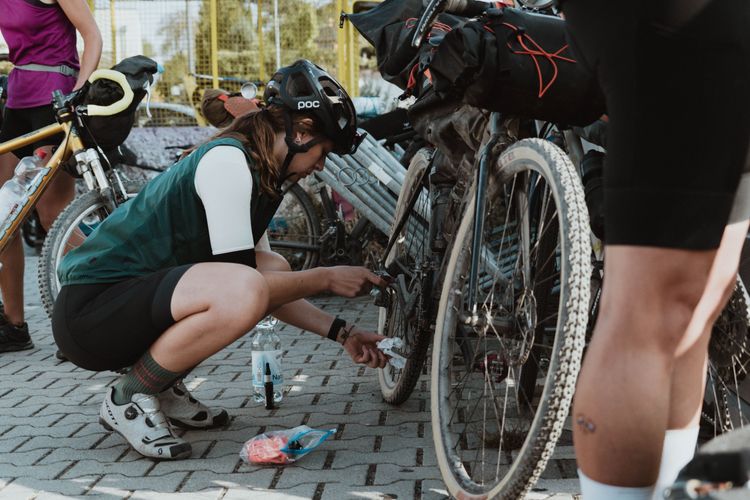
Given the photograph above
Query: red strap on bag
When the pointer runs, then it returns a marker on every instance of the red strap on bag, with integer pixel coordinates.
(534, 53)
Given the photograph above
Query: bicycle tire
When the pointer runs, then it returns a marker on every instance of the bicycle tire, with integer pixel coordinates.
(412, 326)
(725, 405)
(294, 231)
(525, 447)
(56, 244)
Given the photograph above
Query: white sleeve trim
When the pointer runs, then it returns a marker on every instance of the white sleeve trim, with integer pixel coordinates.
(263, 243)
(224, 184)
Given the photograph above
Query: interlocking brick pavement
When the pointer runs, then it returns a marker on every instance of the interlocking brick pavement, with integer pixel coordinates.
(51, 445)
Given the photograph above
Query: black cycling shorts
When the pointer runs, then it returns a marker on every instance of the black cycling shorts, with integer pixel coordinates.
(677, 85)
(111, 325)
(17, 122)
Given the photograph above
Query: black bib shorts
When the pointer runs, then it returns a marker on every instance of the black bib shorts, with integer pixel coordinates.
(109, 326)
(17, 122)
(676, 76)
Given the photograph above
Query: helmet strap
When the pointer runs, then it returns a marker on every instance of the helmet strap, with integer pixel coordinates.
(293, 148)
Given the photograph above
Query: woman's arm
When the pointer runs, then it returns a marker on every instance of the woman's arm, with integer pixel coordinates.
(80, 16)
(305, 316)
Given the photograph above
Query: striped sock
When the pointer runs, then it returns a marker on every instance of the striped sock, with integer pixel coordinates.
(145, 377)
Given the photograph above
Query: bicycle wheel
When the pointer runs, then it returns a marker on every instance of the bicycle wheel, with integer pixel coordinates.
(726, 402)
(69, 230)
(294, 231)
(502, 385)
(406, 314)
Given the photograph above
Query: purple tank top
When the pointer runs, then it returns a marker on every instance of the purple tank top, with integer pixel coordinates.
(37, 33)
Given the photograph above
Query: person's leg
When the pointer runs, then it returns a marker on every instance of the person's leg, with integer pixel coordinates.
(192, 312)
(689, 374)
(213, 305)
(11, 274)
(58, 195)
(14, 332)
(621, 407)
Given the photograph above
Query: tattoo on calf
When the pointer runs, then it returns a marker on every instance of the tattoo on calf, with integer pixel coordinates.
(586, 425)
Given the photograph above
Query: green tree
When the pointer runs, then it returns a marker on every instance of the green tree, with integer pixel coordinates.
(235, 39)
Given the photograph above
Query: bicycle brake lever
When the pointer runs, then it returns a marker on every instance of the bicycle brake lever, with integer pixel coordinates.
(433, 8)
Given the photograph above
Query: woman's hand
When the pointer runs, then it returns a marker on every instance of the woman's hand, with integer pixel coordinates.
(361, 347)
(350, 281)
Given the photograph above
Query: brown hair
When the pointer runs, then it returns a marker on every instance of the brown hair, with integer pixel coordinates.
(257, 133)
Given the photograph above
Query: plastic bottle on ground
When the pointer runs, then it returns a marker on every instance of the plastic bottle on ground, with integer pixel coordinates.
(266, 347)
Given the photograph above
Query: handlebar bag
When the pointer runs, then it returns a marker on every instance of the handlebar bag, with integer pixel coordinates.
(108, 132)
(390, 27)
(519, 63)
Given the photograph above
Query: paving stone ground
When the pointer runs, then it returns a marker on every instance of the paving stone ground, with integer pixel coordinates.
(51, 445)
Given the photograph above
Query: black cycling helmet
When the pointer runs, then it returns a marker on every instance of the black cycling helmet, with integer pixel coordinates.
(306, 87)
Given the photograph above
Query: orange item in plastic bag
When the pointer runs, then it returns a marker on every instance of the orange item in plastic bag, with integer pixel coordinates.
(267, 450)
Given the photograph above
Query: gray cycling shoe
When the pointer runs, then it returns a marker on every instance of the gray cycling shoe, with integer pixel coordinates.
(186, 412)
(142, 423)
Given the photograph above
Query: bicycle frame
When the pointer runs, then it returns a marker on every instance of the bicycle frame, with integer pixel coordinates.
(71, 143)
(87, 160)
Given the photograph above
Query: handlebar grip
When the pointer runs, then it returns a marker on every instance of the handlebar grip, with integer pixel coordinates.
(117, 106)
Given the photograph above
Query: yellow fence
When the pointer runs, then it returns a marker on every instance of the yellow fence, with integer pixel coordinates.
(216, 43)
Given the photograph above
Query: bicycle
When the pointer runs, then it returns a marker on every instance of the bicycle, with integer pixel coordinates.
(69, 110)
(511, 321)
(511, 312)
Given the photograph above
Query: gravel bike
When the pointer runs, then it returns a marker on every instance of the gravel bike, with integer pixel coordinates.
(76, 154)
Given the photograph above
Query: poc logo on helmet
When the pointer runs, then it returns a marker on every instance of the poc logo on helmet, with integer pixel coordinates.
(308, 104)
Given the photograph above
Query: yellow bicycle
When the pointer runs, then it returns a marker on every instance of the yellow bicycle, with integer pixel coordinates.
(101, 181)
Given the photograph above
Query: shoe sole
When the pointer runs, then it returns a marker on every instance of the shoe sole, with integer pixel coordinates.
(16, 347)
(221, 420)
(180, 450)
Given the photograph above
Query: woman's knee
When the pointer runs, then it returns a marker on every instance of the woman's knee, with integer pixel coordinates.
(271, 261)
(244, 299)
(650, 303)
(230, 293)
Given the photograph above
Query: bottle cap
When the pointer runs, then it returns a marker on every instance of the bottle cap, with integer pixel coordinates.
(40, 153)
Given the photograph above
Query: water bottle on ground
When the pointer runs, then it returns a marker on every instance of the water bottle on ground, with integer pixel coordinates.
(15, 192)
(266, 346)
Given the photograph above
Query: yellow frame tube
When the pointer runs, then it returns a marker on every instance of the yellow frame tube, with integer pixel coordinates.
(31, 138)
(70, 144)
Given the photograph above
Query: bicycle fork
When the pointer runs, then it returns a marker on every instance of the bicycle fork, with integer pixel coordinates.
(487, 158)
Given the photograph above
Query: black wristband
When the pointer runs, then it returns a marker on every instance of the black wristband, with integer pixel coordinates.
(337, 325)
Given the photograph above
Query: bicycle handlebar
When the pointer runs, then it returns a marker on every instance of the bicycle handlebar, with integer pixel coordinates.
(468, 8)
(115, 107)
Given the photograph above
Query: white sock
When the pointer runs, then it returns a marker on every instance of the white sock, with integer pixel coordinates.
(678, 450)
(592, 490)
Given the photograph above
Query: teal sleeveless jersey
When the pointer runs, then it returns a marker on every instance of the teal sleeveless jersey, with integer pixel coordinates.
(164, 226)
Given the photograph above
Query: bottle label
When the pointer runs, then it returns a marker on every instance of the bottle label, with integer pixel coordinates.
(259, 360)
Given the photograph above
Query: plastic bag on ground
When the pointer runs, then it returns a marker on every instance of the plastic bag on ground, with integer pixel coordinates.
(283, 447)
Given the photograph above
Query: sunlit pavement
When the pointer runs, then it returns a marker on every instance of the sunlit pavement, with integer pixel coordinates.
(52, 446)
